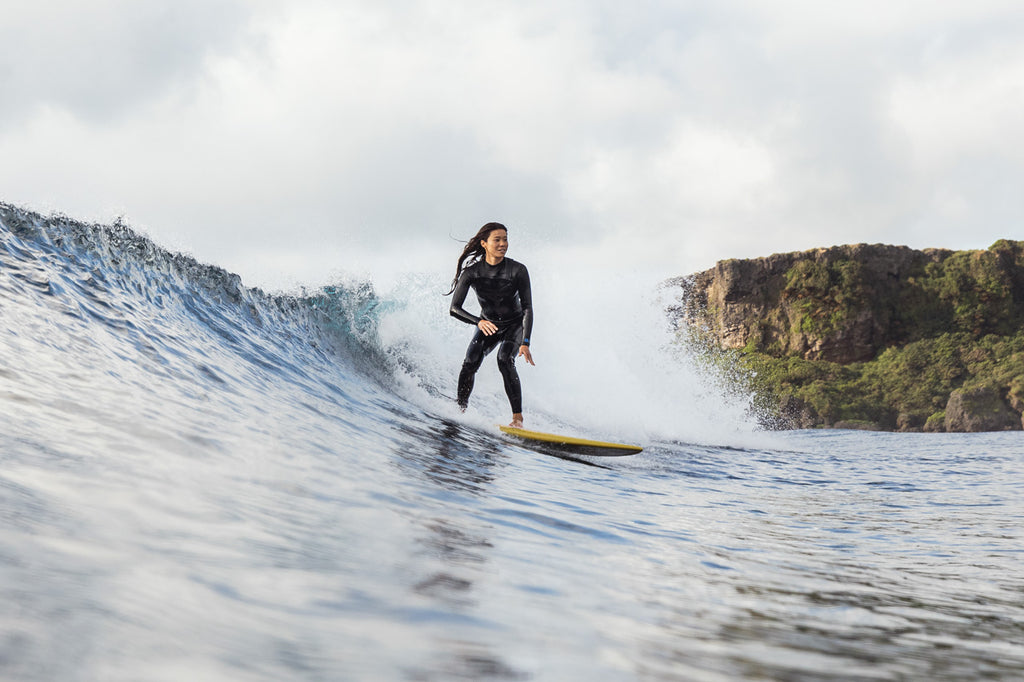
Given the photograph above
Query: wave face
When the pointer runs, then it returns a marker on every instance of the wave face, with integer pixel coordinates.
(199, 480)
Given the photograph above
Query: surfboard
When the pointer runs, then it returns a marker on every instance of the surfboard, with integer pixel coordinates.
(571, 445)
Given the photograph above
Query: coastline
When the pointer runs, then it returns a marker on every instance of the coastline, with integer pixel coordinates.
(867, 336)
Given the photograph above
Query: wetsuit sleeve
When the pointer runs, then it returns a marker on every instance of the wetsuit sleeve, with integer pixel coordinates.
(526, 301)
(459, 297)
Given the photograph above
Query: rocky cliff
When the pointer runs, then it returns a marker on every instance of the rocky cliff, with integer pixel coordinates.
(840, 316)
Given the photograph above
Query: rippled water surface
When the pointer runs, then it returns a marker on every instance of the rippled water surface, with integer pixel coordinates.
(201, 482)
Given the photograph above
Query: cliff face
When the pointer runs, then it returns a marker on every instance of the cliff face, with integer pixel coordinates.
(853, 305)
(846, 303)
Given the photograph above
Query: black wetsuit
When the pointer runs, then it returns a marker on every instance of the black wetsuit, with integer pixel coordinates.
(505, 299)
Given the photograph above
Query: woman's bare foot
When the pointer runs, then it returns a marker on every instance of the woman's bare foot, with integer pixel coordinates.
(517, 420)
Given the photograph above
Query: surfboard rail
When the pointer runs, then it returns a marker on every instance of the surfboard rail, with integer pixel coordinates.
(583, 446)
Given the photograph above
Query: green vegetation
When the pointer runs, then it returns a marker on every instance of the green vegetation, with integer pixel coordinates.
(825, 293)
(971, 291)
(903, 388)
(948, 321)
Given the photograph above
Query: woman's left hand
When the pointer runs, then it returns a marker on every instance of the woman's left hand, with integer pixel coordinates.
(524, 352)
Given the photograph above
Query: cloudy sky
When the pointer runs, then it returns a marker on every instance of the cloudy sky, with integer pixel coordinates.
(289, 140)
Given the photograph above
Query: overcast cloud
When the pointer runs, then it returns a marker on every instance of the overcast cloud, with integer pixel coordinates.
(291, 140)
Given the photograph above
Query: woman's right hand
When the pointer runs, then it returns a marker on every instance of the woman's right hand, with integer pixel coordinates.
(487, 327)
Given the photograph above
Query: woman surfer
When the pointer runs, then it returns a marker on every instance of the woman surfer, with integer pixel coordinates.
(502, 286)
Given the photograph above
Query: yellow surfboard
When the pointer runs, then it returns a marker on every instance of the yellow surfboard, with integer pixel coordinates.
(569, 444)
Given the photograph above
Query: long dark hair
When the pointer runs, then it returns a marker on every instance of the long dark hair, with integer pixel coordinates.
(474, 251)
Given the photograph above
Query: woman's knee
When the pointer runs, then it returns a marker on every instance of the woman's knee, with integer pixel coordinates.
(507, 366)
(471, 364)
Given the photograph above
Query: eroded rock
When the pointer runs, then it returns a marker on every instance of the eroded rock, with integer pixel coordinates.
(980, 409)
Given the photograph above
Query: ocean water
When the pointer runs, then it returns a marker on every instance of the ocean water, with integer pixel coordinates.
(200, 481)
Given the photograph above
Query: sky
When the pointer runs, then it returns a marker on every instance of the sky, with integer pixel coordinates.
(292, 141)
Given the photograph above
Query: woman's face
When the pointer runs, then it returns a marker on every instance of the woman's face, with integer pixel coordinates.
(495, 245)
